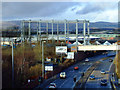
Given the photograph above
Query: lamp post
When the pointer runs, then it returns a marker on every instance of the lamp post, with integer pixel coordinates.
(43, 58)
(12, 66)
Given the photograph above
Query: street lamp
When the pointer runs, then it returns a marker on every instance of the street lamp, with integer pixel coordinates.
(43, 58)
(61, 52)
(12, 66)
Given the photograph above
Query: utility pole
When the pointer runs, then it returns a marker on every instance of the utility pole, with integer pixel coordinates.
(12, 65)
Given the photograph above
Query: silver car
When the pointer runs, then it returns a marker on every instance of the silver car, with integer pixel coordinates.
(52, 85)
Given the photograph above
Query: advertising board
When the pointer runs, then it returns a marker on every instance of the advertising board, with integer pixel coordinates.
(61, 49)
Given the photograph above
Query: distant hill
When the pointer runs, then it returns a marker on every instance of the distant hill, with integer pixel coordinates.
(103, 25)
(93, 25)
(6, 24)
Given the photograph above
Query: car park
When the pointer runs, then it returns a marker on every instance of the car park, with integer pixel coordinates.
(62, 75)
(103, 82)
(92, 77)
(52, 85)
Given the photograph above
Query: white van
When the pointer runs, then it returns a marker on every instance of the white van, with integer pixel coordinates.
(62, 75)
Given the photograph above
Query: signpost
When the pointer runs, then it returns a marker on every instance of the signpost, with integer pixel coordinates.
(49, 68)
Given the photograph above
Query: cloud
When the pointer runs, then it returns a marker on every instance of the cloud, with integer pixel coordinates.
(34, 9)
(109, 15)
(93, 11)
(96, 7)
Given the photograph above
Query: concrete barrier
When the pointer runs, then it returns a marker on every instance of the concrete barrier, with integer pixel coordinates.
(112, 84)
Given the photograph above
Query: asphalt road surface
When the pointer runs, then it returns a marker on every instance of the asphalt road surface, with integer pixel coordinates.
(105, 65)
(71, 73)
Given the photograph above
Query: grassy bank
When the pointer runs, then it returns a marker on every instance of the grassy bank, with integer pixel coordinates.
(27, 63)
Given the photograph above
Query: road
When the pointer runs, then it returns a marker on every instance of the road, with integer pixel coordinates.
(71, 73)
(105, 64)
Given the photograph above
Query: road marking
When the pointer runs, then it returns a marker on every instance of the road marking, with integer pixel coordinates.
(110, 66)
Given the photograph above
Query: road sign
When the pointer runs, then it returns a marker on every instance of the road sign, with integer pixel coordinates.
(70, 55)
(48, 68)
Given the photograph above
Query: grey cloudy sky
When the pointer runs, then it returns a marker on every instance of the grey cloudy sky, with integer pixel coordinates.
(93, 11)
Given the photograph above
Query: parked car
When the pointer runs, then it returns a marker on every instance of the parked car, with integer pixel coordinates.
(103, 82)
(52, 85)
(62, 75)
(92, 77)
(103, 72)
(76, 68)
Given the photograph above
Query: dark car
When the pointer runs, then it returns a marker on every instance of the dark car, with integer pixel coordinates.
(102, 71)
(110, 60)
(104, 82)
